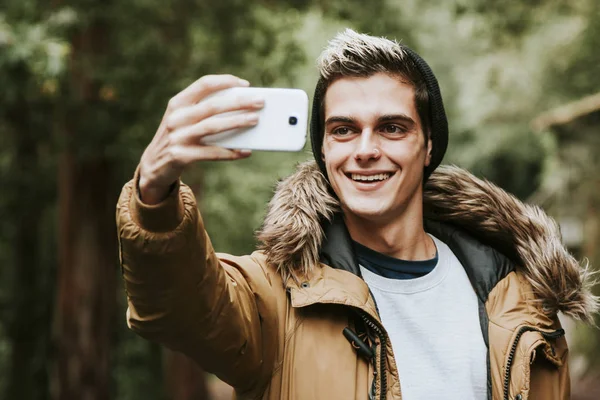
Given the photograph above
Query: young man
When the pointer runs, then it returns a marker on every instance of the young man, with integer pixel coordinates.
(369, 284)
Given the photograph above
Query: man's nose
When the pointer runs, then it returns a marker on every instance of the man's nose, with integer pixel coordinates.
(367, 147)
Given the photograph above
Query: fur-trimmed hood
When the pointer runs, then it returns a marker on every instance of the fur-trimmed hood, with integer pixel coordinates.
(292, 233)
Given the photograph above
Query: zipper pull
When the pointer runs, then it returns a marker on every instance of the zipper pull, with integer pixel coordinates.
(358, 344)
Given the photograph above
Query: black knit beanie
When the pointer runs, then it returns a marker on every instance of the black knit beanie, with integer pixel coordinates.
(437, 116)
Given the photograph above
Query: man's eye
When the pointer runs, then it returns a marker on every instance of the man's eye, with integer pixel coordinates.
(393, 129)
(341, 131)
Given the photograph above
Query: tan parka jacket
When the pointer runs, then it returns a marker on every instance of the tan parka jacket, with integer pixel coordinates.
(271, 324)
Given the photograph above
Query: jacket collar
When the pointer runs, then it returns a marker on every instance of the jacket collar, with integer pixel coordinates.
(303, 226)
(332, 286)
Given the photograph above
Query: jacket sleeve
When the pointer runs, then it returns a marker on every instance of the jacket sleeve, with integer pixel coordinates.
(219, 312)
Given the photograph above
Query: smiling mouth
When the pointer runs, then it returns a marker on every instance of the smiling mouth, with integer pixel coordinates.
(370, 178)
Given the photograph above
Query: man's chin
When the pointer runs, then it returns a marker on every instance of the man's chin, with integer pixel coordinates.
(373, 213)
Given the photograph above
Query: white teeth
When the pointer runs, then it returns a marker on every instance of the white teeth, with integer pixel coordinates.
(369, 178)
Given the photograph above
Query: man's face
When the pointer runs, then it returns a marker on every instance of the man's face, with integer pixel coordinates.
(374, 148)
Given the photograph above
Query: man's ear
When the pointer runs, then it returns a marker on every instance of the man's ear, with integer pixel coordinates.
(429, 149)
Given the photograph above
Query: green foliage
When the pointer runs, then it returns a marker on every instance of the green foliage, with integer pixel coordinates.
(39, 48)
(578, 74)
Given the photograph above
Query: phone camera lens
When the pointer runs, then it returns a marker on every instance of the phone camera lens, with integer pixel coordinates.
(293, 120)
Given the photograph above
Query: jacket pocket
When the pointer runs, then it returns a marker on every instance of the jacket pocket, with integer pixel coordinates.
(533, 365)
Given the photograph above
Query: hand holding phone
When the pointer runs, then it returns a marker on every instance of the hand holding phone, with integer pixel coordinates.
(192, 116)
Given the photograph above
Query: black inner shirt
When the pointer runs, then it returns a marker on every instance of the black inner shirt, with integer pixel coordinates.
(390, 267)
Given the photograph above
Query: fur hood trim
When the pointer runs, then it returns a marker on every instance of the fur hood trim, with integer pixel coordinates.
(292, 232)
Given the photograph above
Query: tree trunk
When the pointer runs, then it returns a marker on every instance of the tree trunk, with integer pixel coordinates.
(29, 326)
(86, 279)
(86, 284)
(184, 379)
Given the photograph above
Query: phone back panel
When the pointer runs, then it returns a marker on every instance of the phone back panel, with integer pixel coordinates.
(282, 124)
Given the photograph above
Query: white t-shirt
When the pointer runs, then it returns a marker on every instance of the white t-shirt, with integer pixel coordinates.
(433, 324)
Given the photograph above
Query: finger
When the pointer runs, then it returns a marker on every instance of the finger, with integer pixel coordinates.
(216, 124)
(203, 87)
(190, 154)
(213, 106)
(162, 128)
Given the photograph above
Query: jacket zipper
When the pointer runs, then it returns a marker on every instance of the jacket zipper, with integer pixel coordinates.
(382, 354)
(547, 335)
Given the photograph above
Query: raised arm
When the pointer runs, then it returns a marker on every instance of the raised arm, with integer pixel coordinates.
(179, 292)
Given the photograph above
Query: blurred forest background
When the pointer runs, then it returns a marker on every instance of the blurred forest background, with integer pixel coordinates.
(83, 85)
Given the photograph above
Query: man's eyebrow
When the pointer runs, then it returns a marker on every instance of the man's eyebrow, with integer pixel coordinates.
(396, 117)
(383, 118)
(334, 119)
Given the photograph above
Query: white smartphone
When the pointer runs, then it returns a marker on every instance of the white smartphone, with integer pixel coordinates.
(282, 123)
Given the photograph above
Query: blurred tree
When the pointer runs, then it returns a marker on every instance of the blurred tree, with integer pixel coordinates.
(32, 59)
(182, 377)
